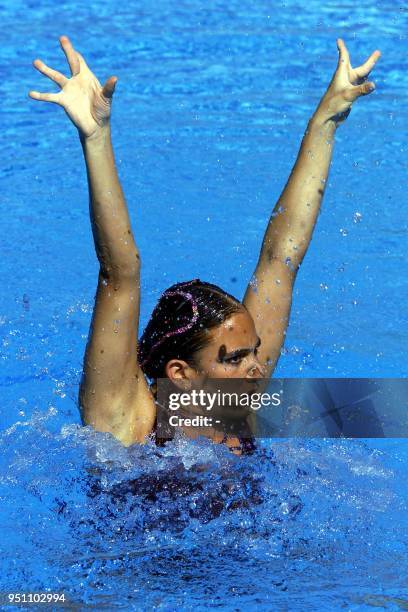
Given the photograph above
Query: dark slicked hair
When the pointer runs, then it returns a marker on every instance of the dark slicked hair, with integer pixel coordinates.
(180, 323)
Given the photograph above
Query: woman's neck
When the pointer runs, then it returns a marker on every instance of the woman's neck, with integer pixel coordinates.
(195, 424)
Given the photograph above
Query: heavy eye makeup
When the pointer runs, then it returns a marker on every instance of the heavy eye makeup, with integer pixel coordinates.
(235, 357)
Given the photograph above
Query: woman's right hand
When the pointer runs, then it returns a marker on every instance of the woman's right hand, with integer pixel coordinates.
(347, 85)
(85, 101)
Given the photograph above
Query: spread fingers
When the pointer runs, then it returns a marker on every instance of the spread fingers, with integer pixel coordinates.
(45, 97)
(54, 75)
(365, 69)
(70, 54)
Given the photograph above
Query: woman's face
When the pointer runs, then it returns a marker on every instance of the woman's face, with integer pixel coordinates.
(231, 352)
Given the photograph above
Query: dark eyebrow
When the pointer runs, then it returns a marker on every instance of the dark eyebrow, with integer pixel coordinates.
(239, 352)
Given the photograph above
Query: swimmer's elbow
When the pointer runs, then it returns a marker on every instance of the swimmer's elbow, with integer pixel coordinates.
(122, 270)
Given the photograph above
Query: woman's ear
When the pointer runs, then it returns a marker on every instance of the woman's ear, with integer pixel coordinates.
(180, 373)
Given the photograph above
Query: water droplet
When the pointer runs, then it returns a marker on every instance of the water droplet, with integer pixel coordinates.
(285, 508)
(323, 286)
(26, 302)
(343, 231)
(254, 284)
(357, 217)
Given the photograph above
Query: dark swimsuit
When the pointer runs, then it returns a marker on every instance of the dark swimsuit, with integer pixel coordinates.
(247, 445)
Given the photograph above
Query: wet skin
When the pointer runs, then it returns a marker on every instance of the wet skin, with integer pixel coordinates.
(114, 395)
(230, 353)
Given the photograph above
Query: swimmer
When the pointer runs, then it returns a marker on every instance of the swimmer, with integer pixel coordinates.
(197, 331)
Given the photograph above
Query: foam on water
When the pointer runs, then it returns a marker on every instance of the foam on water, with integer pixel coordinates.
(145, 524)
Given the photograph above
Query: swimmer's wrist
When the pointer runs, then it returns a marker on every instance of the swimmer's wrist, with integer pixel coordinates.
(100, 137)
(321, 123)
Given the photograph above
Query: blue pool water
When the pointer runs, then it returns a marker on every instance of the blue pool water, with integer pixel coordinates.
(211, 105)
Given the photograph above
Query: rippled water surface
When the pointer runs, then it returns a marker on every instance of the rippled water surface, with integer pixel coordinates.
(193, 525)
(211, 105)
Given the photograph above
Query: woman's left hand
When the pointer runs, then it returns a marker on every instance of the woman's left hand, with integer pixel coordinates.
(346, 86)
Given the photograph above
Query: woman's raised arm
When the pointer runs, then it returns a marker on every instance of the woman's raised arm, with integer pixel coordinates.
(114, 396)
(291, 225)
